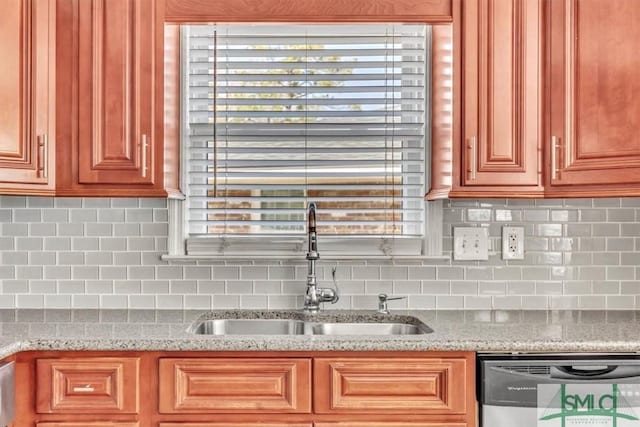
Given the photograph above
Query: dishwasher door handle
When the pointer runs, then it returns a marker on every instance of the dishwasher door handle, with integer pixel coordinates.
(586, 371)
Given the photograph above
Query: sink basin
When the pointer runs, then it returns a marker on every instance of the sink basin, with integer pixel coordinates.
(249, 327)
(366, 329)
(301, 327)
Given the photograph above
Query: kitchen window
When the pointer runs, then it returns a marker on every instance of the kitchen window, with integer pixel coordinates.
(276, 116)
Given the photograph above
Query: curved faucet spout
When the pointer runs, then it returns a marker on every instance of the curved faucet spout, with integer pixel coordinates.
(314, 295)
(312, 236)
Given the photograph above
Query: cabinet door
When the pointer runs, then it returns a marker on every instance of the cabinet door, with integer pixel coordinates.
(27, 67)
(235, 386)
(390, 386)
(502, 95)
(88, 386)
(239, 424)
(87, 424)
(390, 424)
(117, 138)
(594, 96)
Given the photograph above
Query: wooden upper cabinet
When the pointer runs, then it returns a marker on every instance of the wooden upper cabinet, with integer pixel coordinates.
(27, 70)
(502, 97)
(110, 97)
(116, 91)
(594, 103)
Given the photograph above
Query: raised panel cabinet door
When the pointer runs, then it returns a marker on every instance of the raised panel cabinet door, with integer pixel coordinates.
(117, 45)
(390, 424)
(88, 386)
(237, 424)
(235, 386)
(594, 94)
(88, 424)
(502, 93)
(390, 386)
(27, 84)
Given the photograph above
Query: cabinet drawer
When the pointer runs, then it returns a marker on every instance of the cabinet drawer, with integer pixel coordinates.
(390, 386)
(241, 424)
(235, 386)
(88, 424)
(390, 424)
(88, 386)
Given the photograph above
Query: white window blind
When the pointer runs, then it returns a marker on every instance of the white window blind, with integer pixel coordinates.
(282, 115)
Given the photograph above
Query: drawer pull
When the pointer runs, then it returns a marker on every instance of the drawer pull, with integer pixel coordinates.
(43, 162)
(144, 148)
(473, 147)
(554, 153)
(84, 389)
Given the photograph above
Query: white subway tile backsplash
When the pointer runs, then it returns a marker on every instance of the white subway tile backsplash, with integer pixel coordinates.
(29, 301)
(223, 301)
(421, 302)
(117, 302)
(181, 287)
(142, 301)
(86, 301)
(57, 301)
(99, 286)
(90, 253)
(29, 272)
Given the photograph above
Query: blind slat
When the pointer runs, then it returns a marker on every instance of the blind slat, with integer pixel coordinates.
(280, 116)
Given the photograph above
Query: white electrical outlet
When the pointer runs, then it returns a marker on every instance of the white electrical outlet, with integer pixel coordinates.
(512, 242)
(470, 243)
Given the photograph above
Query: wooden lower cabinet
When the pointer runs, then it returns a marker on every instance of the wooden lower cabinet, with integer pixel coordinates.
(390, 385)
(87, 385)
(238, 424)
(88, 424)
(235, 386)
(245, 389)
(390, 424)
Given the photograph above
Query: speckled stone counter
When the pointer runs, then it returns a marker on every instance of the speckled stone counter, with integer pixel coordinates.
(151, 330)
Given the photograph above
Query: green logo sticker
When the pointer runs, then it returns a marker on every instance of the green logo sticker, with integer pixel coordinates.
(588, 405)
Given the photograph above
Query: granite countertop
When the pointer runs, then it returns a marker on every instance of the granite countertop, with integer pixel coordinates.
(166, 330)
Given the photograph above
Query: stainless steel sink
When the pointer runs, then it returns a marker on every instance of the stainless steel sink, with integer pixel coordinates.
(301, 327)
(366, 329)
(249, 327)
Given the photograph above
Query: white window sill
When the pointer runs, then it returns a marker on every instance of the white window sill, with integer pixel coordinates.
(301, 259)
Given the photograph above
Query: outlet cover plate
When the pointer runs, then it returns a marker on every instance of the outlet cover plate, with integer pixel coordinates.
(470, 243)
(512, 242)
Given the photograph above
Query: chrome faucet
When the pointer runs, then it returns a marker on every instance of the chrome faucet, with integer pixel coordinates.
(314, 295)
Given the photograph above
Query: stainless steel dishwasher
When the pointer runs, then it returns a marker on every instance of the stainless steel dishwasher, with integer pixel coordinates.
(7, 393)
(538, 390)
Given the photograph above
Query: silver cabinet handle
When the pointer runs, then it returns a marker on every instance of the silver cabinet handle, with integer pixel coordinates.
(144, 148)
(43, 163)
(554, 157)
(84, 389)
(473, 147)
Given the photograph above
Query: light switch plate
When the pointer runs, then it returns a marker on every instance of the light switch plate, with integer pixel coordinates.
(470, 243)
